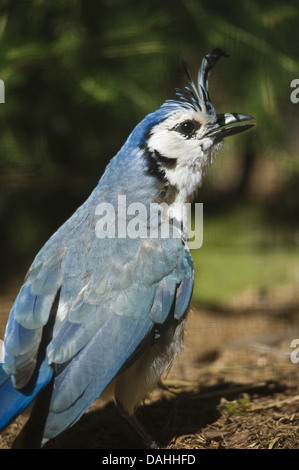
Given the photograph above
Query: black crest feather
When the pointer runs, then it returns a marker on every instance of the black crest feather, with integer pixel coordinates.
(197, 96)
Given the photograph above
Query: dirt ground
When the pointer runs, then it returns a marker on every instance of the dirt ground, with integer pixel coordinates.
(234, 386)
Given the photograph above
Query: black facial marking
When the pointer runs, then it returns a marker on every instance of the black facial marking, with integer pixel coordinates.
(153, 166)
(166, 162)
(187, 128)
(156, 163)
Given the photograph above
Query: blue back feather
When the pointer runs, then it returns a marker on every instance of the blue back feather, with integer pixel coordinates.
(113, 293)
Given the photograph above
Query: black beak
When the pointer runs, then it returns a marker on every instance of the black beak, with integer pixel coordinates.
(221, 128)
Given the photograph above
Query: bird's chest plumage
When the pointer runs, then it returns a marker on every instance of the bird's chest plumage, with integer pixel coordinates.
(134, 384)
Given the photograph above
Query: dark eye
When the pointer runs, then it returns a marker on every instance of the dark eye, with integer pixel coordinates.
(187, 128)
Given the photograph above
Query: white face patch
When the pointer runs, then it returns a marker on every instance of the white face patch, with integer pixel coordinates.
(193, 154)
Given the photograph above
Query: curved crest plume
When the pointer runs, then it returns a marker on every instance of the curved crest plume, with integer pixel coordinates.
(197, 97)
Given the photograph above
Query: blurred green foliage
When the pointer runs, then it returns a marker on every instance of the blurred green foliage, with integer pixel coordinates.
(79, 75)
(242, 252)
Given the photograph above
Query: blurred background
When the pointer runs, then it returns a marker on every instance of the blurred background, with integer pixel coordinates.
(80, 75)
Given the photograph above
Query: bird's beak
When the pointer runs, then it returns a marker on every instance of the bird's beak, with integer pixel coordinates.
(222, 128)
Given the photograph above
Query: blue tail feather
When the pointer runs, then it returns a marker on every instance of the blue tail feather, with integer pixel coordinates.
(12, 401)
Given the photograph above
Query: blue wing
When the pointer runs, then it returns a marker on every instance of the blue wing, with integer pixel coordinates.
(112, 295)
(111, 335)
(14, 401)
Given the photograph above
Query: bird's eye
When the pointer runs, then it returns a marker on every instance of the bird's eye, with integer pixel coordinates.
(187, 128)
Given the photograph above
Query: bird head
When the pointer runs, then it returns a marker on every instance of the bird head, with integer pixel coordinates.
(184, 134)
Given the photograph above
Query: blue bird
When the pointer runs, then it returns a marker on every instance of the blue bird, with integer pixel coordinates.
(102, 313)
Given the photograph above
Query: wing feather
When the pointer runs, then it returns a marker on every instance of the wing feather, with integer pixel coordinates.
(112, 294)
